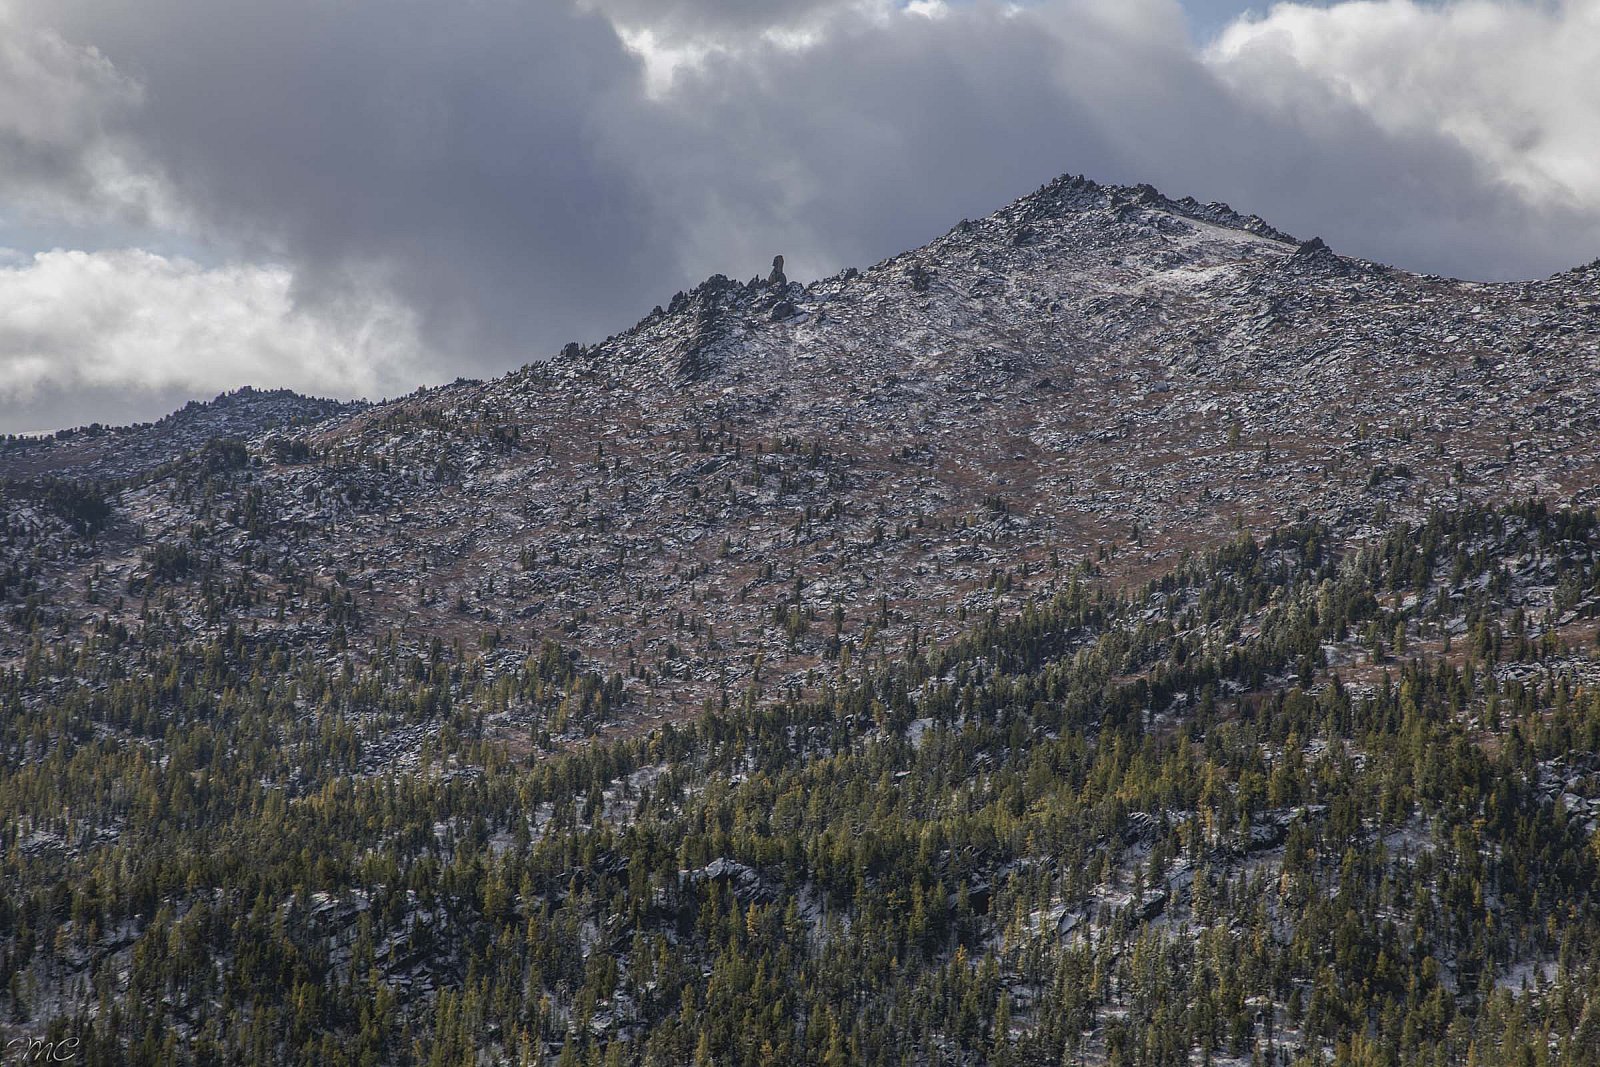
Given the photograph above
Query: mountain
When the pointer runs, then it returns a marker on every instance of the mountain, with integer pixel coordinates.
(1115, 631)
(1093, 373)
(122, 453)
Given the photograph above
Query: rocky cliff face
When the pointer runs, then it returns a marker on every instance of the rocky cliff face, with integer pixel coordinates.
(768, 482)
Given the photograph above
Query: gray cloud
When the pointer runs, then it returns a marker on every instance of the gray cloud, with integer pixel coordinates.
(684, 18)
(509, 173)
(59, 103)
(444, 149)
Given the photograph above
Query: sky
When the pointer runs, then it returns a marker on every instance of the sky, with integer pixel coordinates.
(354, 199)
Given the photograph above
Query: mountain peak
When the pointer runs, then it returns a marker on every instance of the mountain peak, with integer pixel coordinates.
(1072, 192)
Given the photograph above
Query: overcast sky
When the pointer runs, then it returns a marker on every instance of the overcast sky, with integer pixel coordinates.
(355, 198)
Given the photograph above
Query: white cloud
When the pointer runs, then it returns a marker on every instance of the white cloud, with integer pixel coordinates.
(663, 59)
(1515, 83)
(132, 320)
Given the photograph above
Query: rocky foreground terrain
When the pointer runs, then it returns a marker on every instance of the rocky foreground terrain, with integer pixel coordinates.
(765, 479)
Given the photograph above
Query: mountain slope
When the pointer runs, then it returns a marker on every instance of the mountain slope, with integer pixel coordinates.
(790, 474)
(1148, 830)
(97, 452)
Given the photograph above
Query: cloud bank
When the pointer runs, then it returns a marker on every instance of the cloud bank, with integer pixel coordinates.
(1517, 85)
(80, 327)
(493, 179)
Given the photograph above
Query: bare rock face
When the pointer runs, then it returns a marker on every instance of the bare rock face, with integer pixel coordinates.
(777, 279)
(709, 326)
(1316, 255)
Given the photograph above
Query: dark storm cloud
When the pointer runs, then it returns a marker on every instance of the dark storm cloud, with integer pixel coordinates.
(447, 150)
(57, 99)
(516, 176)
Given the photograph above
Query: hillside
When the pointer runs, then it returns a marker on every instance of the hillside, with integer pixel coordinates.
(787, 472)
(124, 453)
(1115, 632)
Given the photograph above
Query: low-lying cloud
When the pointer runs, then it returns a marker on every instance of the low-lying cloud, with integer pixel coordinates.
(82, 328)
(506, 176)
